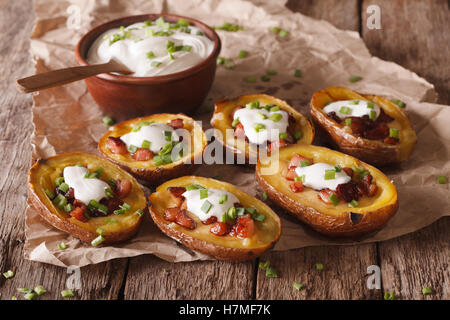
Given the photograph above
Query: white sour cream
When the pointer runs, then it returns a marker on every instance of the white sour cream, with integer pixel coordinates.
(249, 118)
(194, 203)
(154, 133)
(315, 176)
(84, 189)
(354, 108)
(133, 49)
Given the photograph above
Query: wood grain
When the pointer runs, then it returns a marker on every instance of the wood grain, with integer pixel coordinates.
(420, 259)
(99, 281)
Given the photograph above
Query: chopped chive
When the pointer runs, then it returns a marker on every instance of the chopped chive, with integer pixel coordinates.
(206, 206)
(146, 144)
(155, 64)
(139, 212)
(283, 33)
(372, 115)
(252, 105)
(265, 78)
(250, 210)
(427, 291)
(223, 198)
(24, 290)
(337, 168)
(125, 206)
(264, 265)
(264, 196)
(97, 241)
(13, 298)
(370, 105)
(232, 213)
(442, 179)
(297, 286)
(259, 127)
(235, 122)
(203, 193)
(275, 29)
(319, 266)
(67, 293)
(353, 204)
(64, 187)
(30, 296)
(199, 33)
(108, 121)
(99, 231)
(297, 73)
(330, 174)
(40, 290)
(225, 217)
(304, 163)
(400, 103)
(68, 208)
(250, 79)
(271, 72)
(345, 110)
(166, 149)
(302, 178)
(168, 135)
(220, 60)
(274, 109)
(194, 187)
(348, 122)
(62, 246)
(147, 23)
(8, 274)
(298, 135)
(59, 180)
(150, 55)
(258, 217)
(275, 117)
(182, 22)
(271, 273)
(354, 79)
(353, 102)
(389, 296)
(242, 54)
(261, 115)
(160, 160)
(283, 136)
(334, 199)
(393, 133)
(240, 211)
(297, 178)
(49, 194)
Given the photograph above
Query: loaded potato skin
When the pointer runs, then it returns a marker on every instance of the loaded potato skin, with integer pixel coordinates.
(389, 140)
(299, 129)
(151, 167)
(113, 228)
(371, 212)
(241, 237)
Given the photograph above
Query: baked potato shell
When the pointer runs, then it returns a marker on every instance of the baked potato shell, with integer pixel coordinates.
(221, 121)
(146, 170)
(371, 151)
(200, 239)
(42, 176)
(341, 220)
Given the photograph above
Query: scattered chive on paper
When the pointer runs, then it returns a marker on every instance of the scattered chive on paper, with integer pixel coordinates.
(389, 296)
(319, 266)
(426, 291)
(400, 103)
(297, 286)
(265, 78)
(442, 179)
(250, 79)
(354, 79)
(62, 246)
(8, 274)
(108, 121)
(271, 72)
(297, 73)
(271, 272)
(67, 293)
(264, 196)
(40, 290)
(264, 265)
(242, 54)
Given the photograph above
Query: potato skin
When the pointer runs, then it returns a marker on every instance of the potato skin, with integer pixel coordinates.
(210, 248)
(64, 224)
(221, 121)
(346, 224)
(370, 151)
(153, 175)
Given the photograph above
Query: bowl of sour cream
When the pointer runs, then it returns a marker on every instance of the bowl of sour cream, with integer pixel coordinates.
(173, 59)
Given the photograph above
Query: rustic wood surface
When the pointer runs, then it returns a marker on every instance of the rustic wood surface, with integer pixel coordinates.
(413, 34)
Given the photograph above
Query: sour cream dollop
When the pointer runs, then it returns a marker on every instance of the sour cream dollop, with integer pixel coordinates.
(143, 48)
(314, 176)
(273, 123)
(215, 196)
(85, 189)
(353, 108)
(158, 134)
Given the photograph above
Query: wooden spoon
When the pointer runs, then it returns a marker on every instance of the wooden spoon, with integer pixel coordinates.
(59, 77)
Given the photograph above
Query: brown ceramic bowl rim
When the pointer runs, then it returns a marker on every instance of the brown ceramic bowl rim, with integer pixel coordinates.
(94, 33)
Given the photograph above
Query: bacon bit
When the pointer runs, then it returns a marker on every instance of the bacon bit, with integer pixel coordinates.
(239, 131)
(116, 145)
(296, 159)
(142, 154)
(183, 205)
(276, 145)
(325, 194)
(78, 203)
(176, 123)
(357, 125)
(348, 191)
(219, 229)
(70, 194)
(372, 190)
(176, 191)
(234, 111)
(379, 132)
(180, 217)
(290, 138)
(210, 220)
(383, 117)
(78, 213)
(296, 186)
(291, 174)
(367, 186)
(244, 227)
(112, 204)
(348, 171)
(334, 116)
(390, 140)
(123, 188)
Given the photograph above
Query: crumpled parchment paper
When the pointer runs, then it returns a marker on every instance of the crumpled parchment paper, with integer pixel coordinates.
(67, 119)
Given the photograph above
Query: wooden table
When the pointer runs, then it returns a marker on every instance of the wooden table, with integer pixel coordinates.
(414, 34)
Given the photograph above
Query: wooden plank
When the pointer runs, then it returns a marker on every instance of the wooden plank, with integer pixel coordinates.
(344, 275)
(415, 35)
(152, 278)
(420, 259)
(343, 14)
(99, 281)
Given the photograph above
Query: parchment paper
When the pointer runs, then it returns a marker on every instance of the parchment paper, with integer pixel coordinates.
(67, 119)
